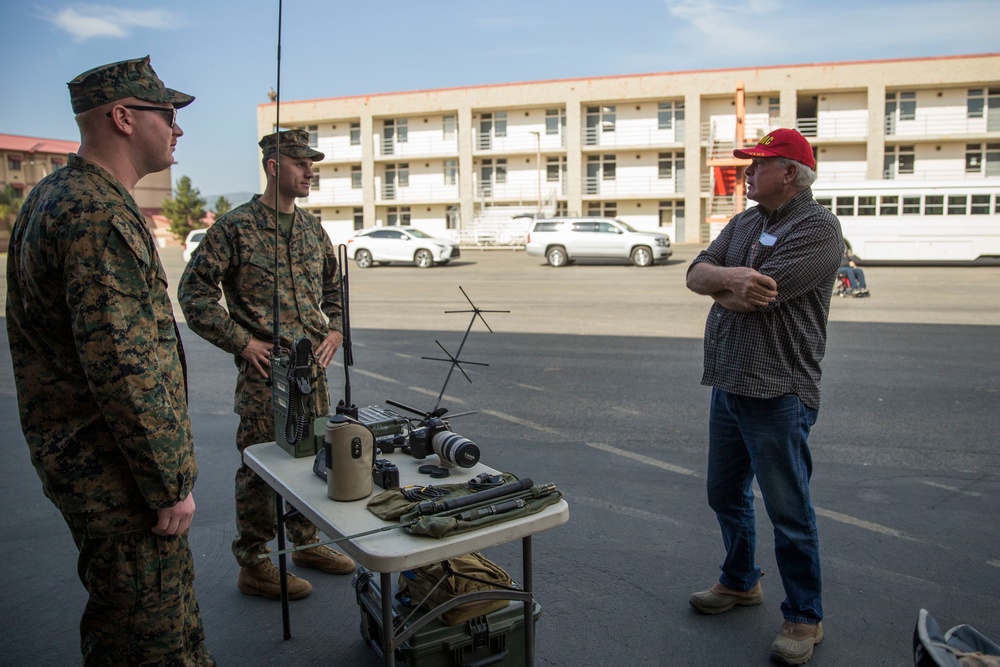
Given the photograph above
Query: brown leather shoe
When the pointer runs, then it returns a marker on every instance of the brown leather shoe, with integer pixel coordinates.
(265, 580)
(794, 644)
(718, 599)
(323, 558)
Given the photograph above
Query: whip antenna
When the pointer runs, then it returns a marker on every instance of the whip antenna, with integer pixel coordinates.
(276, 334)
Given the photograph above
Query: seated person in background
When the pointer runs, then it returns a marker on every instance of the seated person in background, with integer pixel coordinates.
(850, 270)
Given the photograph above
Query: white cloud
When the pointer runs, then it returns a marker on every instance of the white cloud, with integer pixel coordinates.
(93, 21)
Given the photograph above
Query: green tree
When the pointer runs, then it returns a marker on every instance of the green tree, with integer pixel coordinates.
(10, 204)
(185, 210)
(222, 206)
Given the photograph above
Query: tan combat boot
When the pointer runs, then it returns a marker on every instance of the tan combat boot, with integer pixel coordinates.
(794, 644)
(718, 599)
(323, 558)
(265, 580)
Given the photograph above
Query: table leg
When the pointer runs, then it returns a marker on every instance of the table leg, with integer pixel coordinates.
(529, 606)
(282, 565)
(388, 641)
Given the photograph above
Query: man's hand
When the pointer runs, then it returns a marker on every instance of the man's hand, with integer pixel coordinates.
(258, 353)
(751, 287)
(175, 520)
(329, 347)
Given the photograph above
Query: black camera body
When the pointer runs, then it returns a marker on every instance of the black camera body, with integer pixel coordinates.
(385, 474)
(422, 437)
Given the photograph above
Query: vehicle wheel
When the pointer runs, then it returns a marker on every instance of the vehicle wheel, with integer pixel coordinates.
(556, 256)
(424, 259)
(363, 259)
(642, 256)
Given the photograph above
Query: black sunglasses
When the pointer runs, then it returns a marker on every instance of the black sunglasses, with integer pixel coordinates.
(169, 113)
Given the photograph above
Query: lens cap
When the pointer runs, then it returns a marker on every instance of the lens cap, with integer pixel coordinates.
(438, 473)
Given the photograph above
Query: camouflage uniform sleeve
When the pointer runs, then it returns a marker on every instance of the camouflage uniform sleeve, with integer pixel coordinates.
(331, 304)
(115, 290)
(200, 294)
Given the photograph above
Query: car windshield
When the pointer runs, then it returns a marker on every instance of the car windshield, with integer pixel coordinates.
(624, 225)
(419, 234)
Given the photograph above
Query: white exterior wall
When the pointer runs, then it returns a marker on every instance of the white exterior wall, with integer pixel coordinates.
(849, 131)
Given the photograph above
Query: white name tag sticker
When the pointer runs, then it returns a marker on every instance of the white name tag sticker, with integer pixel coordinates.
(767, 239)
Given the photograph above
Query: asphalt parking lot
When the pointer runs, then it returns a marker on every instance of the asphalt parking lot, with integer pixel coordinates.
(593, 384)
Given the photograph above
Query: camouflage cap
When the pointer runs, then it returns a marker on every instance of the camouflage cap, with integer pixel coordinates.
(293, 143)
(116, 81)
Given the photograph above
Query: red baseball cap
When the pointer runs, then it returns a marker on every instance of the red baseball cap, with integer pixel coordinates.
(781, 143)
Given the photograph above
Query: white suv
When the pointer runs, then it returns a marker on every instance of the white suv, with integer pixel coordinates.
(563, 240)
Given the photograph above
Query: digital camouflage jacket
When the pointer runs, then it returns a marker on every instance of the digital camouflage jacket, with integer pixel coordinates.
(236, 259)
(97, 359)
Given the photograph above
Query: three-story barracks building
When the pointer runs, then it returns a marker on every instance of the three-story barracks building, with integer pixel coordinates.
(652, 149)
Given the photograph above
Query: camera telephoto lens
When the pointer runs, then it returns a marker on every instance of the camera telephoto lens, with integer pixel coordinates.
(455, 450)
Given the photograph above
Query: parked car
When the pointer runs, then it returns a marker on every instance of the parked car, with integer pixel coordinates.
(194, 237)
(400, 244)
(563, 240)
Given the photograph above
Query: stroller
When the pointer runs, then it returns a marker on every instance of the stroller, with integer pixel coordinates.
(962, 646)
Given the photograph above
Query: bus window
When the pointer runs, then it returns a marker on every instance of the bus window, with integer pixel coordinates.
(957, 204)
(911, 205)
(890, 205)
(934, 205)
(866, 205)
(980, 205)
(825, 202)
(845, 205)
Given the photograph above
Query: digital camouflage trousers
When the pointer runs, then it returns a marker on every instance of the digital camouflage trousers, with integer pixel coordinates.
(256, 520)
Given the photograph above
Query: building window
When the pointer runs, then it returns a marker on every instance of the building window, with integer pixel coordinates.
(492, 172)
(355, 176)
(313, 135)
(318, 214)
(355, 134)
(553, 168)
(599, 168)
(448, 125)
(866, 205)
(907, 106)
(501, 173)
(58, 162)
(315, 181)
(359, 218)
(773, 110)
(975, 162)
(671, 212)
(14, 162)
(911, 205)
(667, 113)
(976, 103)
(398, 216)
(395, 175)
(451, 172)
(555, 121)
(394, 131)
(671, 165)
(607, 209)
(898, 160)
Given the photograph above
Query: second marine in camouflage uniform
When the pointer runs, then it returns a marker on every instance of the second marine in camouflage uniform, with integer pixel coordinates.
(236, 259)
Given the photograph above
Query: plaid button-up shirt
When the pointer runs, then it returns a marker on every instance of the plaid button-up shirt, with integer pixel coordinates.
(775, 350)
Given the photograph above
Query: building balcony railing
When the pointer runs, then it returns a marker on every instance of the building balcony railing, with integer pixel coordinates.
(417, 193)
(938, 125)
(332, 196)
(633, 187)
(339, 152)
(830, 128)
(516, 142)
(416, 145)
(624, 136)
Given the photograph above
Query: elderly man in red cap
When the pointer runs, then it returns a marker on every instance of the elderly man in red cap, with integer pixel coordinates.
(770, 273)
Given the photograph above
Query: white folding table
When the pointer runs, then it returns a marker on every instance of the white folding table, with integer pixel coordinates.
(395, 550)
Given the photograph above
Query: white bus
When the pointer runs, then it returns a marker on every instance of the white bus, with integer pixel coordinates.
(922, 221)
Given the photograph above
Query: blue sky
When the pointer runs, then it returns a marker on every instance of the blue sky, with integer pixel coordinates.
(224, 53)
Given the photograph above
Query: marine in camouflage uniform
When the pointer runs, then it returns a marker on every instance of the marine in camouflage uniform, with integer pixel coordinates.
(236, 259)
(101, 378)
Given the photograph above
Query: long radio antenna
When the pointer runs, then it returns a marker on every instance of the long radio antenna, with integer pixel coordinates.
(276, 333)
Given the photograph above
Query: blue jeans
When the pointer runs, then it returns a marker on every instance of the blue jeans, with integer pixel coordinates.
(856, 277)
(766, 438)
